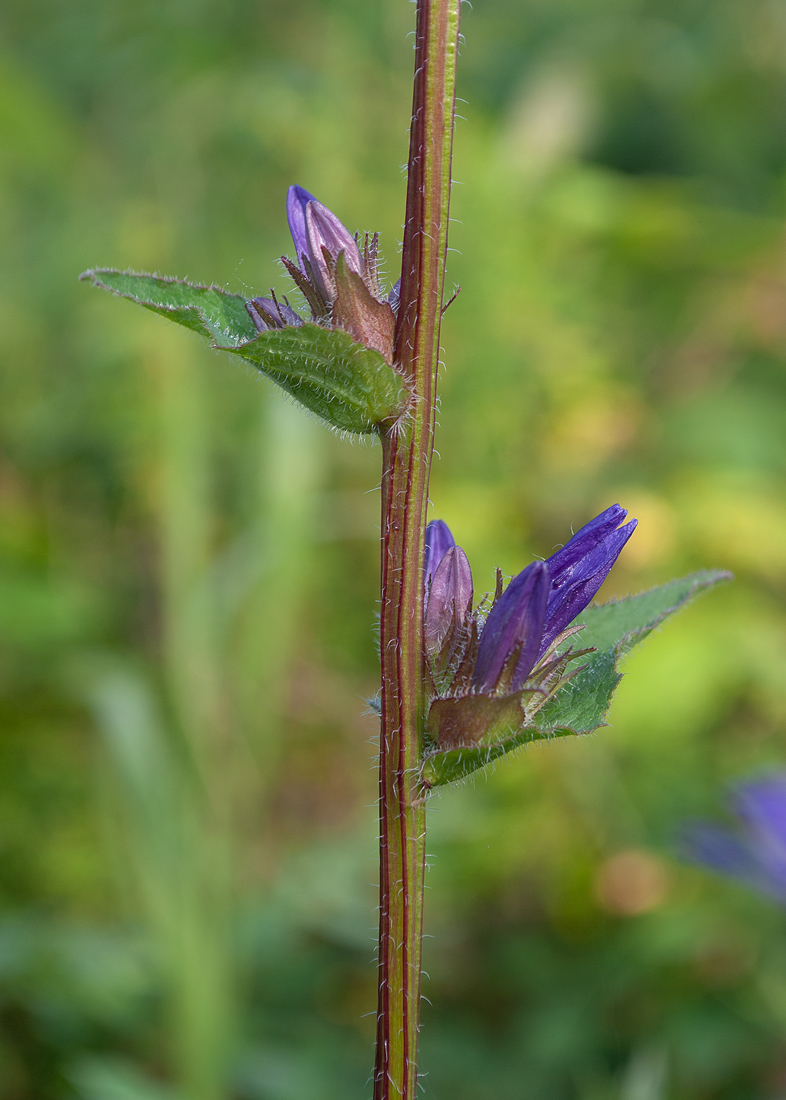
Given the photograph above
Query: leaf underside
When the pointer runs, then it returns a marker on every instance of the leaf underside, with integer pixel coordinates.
(208, 310)
(349, 386)
(582, 704)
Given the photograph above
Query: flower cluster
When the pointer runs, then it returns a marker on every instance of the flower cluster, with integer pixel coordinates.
(755, 853)
(339, 281)
(515, 649)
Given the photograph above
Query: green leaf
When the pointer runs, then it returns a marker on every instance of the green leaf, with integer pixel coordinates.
(208, 310)
(613, 629)
(625, 623)
(452, 765)
(349, 386)
(582, 704)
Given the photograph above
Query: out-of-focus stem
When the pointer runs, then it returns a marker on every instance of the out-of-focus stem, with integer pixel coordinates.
(406, 464)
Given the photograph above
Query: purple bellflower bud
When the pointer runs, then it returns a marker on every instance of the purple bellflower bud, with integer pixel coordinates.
(579, 569)
(297, 201)
(513, 632)
(339, 281)
(449, 598)
(438, 541)
(268, 313)
(755, 852)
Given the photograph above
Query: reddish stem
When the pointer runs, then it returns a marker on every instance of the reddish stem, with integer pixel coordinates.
(407, 454)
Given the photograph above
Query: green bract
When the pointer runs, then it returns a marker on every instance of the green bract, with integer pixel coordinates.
(349, 386)
(581, 705)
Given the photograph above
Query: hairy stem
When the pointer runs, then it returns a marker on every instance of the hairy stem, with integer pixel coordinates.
(406, 465)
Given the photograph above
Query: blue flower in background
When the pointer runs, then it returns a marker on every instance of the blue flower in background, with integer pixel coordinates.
(755, 851)
(529, 618)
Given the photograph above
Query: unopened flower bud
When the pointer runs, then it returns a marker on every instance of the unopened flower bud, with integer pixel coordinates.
(319, 239)
(270, 313)
(449, 600)
(327, 238)
(339, 282)
(511, 637)
(438, 541)
(580, 568)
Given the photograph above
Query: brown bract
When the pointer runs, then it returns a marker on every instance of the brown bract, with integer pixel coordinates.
(453, 723)
(359, 313)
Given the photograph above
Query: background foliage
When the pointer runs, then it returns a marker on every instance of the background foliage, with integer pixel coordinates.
(188, 567)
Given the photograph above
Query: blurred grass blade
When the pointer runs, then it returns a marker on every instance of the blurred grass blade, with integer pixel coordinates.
(152, 791)
(113, 1079)
(582, 704)
(181, 866)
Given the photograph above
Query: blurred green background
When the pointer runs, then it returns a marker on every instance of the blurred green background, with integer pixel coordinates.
(188, 566)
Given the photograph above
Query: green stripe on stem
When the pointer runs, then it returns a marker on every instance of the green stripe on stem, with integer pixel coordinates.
(406, 465)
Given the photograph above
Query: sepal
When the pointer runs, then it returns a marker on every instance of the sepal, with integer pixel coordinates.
(464, 722)
(358, 312)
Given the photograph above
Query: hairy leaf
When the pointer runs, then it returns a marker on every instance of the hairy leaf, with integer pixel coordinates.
(624, 623)
(208, 310)
(348, 385)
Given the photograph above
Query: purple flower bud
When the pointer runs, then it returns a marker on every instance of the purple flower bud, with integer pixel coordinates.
(270, 313)
(438, 541)
(319, 238)
(756, 853)
(580, 568)
(326, 234)
(449, 598)
(297, 201)
(514, 626)
(499, 656)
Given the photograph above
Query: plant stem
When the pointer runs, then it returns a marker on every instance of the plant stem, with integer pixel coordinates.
(406, 464)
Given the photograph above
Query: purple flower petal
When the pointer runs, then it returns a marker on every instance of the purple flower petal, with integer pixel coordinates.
(297, 201)
(580, 568)
(516, 619)
(288, 314)
(762, 806)
(438, 541)
(263, 313)
(719, 849)
(756, 855)
(270, 313)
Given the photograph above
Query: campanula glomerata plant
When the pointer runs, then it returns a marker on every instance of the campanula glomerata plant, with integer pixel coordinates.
(463, 682)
